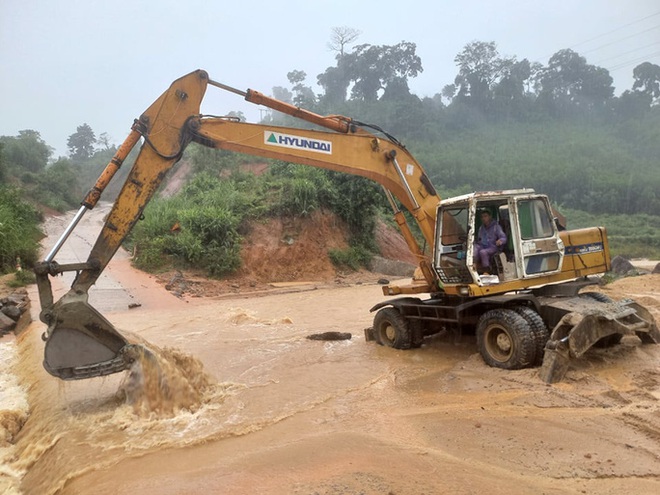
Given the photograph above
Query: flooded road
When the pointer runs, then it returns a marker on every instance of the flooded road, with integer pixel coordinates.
(288, 415)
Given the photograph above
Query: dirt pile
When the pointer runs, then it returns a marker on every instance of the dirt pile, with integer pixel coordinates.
(283, 249)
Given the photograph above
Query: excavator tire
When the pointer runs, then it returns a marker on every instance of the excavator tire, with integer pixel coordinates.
(610, 340)
(505, 339)
(391, 329)
(539, 330)
(416, 333)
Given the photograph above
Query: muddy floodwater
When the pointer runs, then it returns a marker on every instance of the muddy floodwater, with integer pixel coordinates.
(282, 414)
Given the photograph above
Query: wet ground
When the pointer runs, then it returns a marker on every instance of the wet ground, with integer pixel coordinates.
(288, 415)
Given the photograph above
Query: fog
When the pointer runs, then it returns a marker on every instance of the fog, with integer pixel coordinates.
(90, 61)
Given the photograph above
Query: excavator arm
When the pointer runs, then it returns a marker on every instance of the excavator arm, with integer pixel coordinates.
(80, 342)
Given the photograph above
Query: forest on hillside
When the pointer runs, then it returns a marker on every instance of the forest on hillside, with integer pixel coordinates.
(503, 123)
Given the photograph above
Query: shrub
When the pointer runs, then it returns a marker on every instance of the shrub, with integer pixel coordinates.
(19, 232)
(354, 257)
(22, 278)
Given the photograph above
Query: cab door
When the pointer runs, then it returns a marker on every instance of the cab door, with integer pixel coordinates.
(541, 251)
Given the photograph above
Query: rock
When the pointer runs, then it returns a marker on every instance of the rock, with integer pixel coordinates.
(6, 324)
(15, 299)
(177, 278)
(330, 336)
(12, 312)
(622, 266)
(391, 267)
(656, 269)
(383, 281)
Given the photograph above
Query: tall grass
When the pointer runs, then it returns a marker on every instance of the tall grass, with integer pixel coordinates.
(19, 231)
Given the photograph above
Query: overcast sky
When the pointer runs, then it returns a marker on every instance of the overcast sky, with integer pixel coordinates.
(102, 62)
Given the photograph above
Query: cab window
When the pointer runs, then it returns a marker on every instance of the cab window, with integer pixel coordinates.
(534, 219)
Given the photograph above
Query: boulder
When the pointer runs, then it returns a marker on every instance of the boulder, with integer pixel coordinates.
(13, 312)
(391, 267)
(6, 324)
(622, 266)
(656, 269)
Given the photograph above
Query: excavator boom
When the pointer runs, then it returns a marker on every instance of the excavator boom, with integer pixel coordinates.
(80, 342)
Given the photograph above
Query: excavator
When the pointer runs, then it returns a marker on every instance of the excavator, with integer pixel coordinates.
(526, 308)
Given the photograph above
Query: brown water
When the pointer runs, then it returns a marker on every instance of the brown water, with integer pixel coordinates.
(252, 406)
(284, 414)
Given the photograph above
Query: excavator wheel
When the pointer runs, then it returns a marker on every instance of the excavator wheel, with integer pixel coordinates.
(416, 333)
(391, 329)
(539, 330)
(505, 339)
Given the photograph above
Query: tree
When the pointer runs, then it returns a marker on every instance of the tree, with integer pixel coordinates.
(27, 151)
(342, 36)
(569, 82)
(485, 76)
(104, 141)
(478, 67)
(3, 167)
(240, 116)
(632, 104)
(335, 82)
(647, 79)
(81, 143)
(282, 94)
(373, 68)
(304, 96)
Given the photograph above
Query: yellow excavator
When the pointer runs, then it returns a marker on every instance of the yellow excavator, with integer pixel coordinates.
(526, 307)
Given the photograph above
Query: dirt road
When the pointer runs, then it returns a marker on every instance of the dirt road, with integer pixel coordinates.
(294, 416)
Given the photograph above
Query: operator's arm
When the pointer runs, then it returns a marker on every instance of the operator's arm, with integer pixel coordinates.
(501, 235)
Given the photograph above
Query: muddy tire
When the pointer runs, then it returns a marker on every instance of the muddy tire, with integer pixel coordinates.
(539, 330)
(505, 340)
(391, 329)
(416, 333)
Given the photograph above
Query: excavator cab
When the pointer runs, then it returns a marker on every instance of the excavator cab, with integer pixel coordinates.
(533, 247)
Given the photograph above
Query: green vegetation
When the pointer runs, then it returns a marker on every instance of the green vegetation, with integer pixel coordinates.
(199, 227)
(22, 278)
(19, 232)
(202, 226)
(353, 257)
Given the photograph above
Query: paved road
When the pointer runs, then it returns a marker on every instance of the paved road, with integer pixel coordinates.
(119, 285)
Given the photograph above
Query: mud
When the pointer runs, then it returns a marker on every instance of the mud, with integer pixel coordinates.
(280, 414)
(162, 382)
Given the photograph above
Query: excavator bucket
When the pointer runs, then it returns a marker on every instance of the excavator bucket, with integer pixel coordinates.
(588, 323)
(81, 343)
